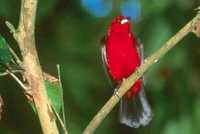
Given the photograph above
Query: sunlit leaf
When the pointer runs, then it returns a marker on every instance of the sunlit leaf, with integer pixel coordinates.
(54, 94)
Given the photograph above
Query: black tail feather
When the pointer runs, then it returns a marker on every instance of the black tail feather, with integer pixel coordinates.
(135, 112)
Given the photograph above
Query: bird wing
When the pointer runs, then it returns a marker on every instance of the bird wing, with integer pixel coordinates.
(112, 82)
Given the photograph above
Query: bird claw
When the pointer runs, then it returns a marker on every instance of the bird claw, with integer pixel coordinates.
(116, 93)
(197, 9)
(195, 27)
(137, 71)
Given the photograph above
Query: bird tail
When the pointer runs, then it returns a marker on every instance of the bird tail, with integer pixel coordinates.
(135, 112)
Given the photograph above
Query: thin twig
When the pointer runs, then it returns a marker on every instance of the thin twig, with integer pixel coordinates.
(19, 62)
(60, 120)
(63, 107)
(11, 27)
(26, 89)
(14, 71)
(12, 30)
(127, 83)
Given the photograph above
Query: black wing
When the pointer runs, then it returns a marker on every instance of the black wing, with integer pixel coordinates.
(112, 82)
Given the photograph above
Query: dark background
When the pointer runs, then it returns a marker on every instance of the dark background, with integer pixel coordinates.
(68, 32)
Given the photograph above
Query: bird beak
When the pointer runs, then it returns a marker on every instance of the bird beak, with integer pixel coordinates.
(128, 18)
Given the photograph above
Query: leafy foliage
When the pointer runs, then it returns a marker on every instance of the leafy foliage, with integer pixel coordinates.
(54, 94)
(5, 55)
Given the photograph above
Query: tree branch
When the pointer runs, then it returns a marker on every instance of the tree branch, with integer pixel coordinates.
(148, 62)
(26, 89)
(25, 38)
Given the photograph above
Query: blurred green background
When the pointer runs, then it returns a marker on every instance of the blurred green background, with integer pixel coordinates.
(68, 32)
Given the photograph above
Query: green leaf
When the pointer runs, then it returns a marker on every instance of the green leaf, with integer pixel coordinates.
(5, 54)
(54, 94)
(33, 106)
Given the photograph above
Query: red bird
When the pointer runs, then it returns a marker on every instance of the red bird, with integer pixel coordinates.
(121, 58)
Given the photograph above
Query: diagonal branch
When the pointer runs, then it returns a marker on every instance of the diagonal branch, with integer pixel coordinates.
(25, 88)
(127, 83)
